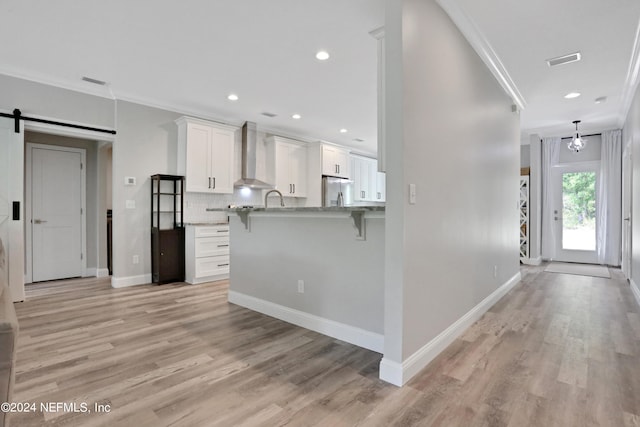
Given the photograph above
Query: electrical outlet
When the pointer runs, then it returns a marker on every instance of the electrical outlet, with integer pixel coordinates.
(495, 271)
(301, 286)
(136, 259)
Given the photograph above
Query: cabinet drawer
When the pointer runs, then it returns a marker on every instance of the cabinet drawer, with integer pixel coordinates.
(211, 246)
(214, 230)
(211, 266)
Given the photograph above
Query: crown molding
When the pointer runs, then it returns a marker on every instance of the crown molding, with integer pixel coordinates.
(631, 82)
(483, 48)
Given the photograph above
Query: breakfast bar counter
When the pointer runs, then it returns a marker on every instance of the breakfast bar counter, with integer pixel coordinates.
(319, 268)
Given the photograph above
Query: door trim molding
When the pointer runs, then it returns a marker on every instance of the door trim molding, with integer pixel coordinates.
(28, 194)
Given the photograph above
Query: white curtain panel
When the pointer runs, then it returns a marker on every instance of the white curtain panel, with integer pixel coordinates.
(609, 208)
(550, 158)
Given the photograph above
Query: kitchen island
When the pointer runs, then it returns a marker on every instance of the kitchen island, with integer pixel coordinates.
(319, 268)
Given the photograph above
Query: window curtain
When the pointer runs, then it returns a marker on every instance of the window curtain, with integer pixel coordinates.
(550, 158)
(609, 208)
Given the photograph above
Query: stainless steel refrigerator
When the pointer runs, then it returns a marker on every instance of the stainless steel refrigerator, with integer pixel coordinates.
(337, 191)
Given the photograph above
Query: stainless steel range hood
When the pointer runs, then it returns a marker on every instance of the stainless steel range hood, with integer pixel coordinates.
(249, 161)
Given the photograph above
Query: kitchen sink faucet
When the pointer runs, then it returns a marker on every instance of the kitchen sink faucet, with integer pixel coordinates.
(273, 191)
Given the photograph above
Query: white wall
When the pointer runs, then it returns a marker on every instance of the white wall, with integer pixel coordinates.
(450, 131)
(41, 100)
(343, 276)
(631, 132)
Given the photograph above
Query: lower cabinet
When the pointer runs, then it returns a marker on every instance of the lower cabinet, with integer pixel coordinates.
(207, 253)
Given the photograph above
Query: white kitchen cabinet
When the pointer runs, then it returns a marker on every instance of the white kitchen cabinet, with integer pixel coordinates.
(335, 161)
(381, 187)
(369, 184)
(287, 166)
(363, 171)
(205, 155)
(206, 253)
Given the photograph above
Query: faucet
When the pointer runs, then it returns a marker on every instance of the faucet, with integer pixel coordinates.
(273, 191)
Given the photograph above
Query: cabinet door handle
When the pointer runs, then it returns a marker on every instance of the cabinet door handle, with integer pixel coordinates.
(214, 182)
(294, 188)
(379, 195)
(223, 231)
(223, 265)
(290, 188)
(223, 246)
(338, 168)
(209, 182)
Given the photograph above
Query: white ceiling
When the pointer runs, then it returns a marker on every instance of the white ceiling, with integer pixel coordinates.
(524, 34)
(188, 56)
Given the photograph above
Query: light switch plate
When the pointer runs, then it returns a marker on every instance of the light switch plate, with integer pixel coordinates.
(130, 204)
(412, 194)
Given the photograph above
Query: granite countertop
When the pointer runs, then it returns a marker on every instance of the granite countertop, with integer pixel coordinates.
(305, 209)
(203, 223)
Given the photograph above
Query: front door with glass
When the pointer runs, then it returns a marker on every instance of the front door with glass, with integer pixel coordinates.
(575, 213)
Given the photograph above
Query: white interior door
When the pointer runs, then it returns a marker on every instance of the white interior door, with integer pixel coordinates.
(626, 211)
(56, 213)
(11, 206)
(575, 212)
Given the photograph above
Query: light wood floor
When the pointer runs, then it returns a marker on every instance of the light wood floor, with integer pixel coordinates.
(558, 350)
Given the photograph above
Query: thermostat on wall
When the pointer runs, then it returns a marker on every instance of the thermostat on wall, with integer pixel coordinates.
(129, 180)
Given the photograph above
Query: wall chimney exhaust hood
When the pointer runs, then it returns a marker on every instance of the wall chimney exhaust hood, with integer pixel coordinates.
(249, 161)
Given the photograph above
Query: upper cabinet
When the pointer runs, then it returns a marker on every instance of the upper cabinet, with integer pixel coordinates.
(369, 184)
(205, 155)
(287, 165)
(335, 161)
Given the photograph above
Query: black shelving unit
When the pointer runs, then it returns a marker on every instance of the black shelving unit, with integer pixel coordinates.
(167, 228)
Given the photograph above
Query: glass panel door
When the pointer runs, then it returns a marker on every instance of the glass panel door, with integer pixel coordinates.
(575, 214)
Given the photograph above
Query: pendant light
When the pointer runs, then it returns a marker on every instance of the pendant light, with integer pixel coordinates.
(577, 143)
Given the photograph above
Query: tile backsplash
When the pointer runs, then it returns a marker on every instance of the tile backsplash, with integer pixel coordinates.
(196, 204)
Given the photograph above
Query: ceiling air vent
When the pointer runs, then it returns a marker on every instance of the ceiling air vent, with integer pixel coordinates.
(358, 139)
(94, 81)
(572, 57)
(269, 114)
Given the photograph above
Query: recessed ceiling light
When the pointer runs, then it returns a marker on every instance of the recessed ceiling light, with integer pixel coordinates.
(296, 116)
(322, 55)
(601, 99)
(232, 97)
(572, 95)
(343, 130)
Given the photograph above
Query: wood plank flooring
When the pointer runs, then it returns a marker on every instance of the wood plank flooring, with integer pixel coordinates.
(558, 350)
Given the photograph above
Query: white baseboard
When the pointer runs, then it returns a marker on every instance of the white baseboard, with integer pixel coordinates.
(102, 272)
(636, 290)
(399, 373)
(532, 261)
(123, 282)
(96, 272)
(351, 334)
